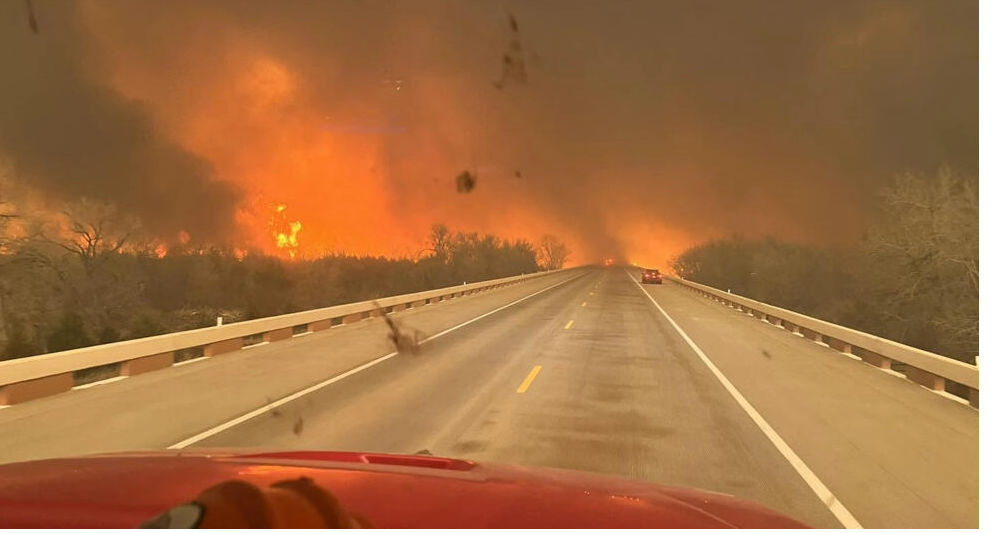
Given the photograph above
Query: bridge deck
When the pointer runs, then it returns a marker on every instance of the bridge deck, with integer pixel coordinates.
(619, 391)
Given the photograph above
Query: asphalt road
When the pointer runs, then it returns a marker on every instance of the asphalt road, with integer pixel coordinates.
(894, 453)
(579, 370)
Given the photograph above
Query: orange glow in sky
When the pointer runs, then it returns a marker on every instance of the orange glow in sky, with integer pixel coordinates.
(325, 175)
(628, 132)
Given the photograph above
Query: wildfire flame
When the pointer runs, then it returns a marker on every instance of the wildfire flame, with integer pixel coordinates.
(284, 240)
(285, 231)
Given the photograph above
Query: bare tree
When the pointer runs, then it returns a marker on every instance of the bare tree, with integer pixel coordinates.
(925, 256)
(6, 215)
(87, 248)
(91, 231)
(440, 242)
(8, 211)
(552, 253)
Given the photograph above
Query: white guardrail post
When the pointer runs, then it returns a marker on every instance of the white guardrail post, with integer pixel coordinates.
(925, 368)
(44, 375)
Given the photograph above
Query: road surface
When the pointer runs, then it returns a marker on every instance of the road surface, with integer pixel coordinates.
(578, 370)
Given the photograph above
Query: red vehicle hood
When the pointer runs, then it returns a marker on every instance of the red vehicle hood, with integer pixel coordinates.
(392, 491)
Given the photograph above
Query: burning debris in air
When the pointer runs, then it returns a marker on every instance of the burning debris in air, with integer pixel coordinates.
(32, 20)
(513, 62)
(298, 418)
(406, 342)
(465, 181)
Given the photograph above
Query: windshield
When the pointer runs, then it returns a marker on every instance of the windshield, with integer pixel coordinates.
(726, 245)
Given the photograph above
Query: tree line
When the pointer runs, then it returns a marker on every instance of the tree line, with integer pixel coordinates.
(914, 278)
(88, 280)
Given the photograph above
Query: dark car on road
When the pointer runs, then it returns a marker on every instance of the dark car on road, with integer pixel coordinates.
(651, 276)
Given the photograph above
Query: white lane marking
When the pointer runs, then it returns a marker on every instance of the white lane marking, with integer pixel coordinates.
(821, 491)
(287, 399)
(295, 335)
(101, 382)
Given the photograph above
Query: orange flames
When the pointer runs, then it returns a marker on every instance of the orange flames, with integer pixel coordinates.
(285, 232)
(366, 181)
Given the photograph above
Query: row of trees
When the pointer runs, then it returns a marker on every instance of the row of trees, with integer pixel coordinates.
(914, 278)
(87, 280)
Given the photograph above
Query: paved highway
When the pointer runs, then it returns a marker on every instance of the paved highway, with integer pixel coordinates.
(581, 370)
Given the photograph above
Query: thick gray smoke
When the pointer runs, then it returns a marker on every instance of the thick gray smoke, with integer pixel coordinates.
(69, 135)
(702, 117)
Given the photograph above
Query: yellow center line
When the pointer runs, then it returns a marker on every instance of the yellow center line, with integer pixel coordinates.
(569, 324)
(528, 380)
(584, 304)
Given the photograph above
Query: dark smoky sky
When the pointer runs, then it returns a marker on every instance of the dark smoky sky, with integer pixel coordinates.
(639, 120)
(70, 135)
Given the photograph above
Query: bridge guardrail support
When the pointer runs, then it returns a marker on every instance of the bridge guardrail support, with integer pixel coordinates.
(147, 364)
(277, 335)
(221, 347)
(36, 388)
(320, 325)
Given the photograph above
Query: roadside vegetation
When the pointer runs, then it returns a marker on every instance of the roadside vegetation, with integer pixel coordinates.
(88, 278)
(914, 278)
